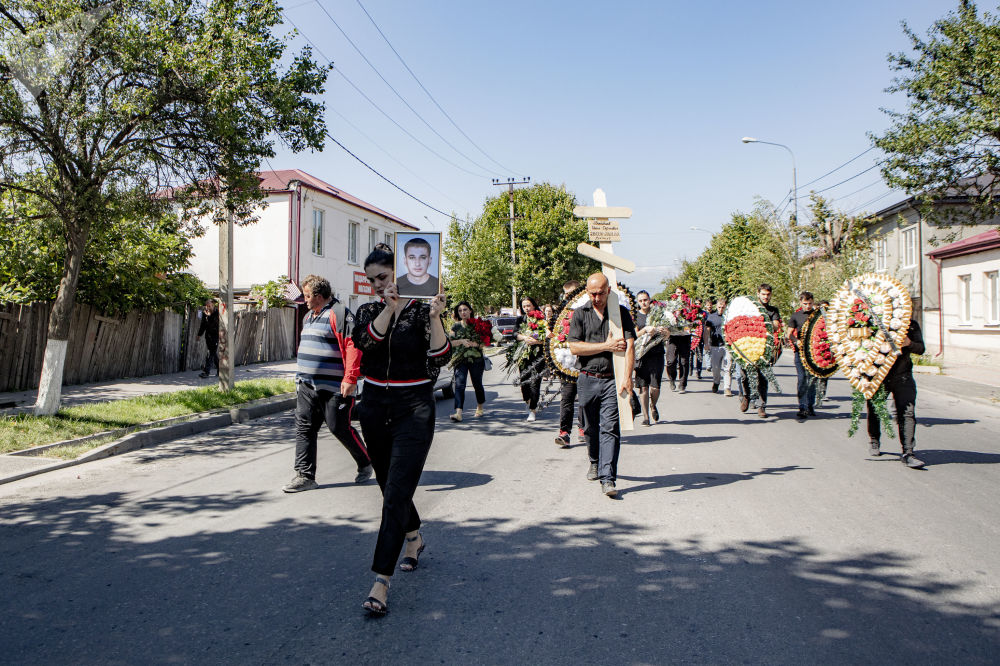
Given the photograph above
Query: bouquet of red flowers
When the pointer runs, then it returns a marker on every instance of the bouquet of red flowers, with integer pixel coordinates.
(475, 330)
(522, 353)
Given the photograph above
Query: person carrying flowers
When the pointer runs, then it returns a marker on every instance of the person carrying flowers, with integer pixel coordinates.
(469, 336)
(528, 353)
(806, 382)
(764, 295)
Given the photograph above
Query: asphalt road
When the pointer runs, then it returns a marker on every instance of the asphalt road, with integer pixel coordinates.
(734, 540)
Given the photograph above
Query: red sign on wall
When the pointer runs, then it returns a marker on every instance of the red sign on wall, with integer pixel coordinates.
(362, 285)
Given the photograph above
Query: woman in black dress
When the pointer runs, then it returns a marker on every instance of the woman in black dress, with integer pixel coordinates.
(532, 365)
(404, 346)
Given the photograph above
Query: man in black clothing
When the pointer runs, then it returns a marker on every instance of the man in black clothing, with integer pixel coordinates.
(899, 382)
(806, 382)
(210, 329)
(698, 345)
(590, 339)
(764, 294)
(714, 338)
(648, 367)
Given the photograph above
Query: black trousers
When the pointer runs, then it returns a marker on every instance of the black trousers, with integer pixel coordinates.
(398, 424)
(312, 408)
(599, 402)
(531, 381)
(463, 371)
(698, 360)
(679, 358)
(212, 357)
(567, 399)
(761, 386)
(904, 396)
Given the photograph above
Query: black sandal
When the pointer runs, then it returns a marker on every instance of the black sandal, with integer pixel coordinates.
(410, 563)
(377, 607)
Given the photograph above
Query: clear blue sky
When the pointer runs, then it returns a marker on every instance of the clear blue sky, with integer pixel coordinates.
(647, 100)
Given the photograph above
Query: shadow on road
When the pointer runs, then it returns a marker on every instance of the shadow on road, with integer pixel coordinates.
(83, 585)
(668, 438)
(953, 457)
(699, 481)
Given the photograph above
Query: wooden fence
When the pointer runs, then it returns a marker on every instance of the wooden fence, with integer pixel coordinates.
(134, 345)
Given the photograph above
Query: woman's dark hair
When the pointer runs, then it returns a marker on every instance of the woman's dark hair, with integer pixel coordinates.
(534, 303)
(466, 304)
(381, 255)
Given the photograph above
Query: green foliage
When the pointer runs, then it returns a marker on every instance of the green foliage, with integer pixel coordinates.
(947, 142)
(750, 249)
(841, 248)
(272, 293)
(546, 233)
(25, 430)
(136, 265)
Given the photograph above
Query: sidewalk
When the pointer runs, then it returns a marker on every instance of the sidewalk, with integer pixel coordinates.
(130, 388)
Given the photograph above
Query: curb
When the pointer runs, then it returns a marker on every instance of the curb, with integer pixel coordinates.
(139, 437)
(989, 402)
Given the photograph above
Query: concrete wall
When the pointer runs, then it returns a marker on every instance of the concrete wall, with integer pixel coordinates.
(260, 250)
(976, 342)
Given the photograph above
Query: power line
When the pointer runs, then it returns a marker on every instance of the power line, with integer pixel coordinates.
(396, 92)
(393, 158)
(861, 154)
(429, 95)
(870, 202)
(874, 166)
(377, 107)
(374, 171)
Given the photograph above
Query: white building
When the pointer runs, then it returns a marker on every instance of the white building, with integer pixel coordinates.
(306, 226)
(967, 328)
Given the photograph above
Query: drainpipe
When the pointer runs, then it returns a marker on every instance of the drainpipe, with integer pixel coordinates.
(298, 229)
(940, 311)
(291, 227)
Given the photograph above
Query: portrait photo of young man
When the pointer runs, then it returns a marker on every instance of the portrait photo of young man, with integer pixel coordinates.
(418, 264)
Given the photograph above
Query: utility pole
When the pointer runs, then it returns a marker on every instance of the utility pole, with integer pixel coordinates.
(511, 183)
(227, 318)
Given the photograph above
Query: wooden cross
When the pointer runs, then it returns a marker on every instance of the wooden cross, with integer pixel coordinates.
(603, 227)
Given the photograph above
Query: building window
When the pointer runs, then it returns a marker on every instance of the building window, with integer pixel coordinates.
(965, 299)
(353, 231)
(372, 238)
(317, 235)
(910, 247)
(881, 251)
(388, 240)
(992, 280)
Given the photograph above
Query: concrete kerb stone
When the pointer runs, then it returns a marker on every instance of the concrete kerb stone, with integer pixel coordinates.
(158, 432)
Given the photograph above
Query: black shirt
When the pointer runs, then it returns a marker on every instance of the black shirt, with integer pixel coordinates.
(714, 324)
(401, 355)
(904, 365)
(772, 311)
(586, 326)
(798, 322)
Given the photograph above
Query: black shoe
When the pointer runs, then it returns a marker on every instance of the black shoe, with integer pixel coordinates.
(912, 461)
(654, 413)
(562, 439)
(812, 411)
(744, 403)
(608, 488)
(300, 483)
(364, 474)
(203, 375)
(673, 386)
(644, 422)
(592, 472)
(873, 446)
(802, 415)
(715, 388)
(699, 374)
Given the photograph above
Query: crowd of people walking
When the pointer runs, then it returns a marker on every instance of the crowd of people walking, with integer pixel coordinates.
(397, 346)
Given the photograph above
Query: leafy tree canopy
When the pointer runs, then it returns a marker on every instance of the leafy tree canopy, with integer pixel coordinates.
(947, 143)
(546, 234)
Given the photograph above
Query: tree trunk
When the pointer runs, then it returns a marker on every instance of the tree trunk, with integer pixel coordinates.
(54, 363)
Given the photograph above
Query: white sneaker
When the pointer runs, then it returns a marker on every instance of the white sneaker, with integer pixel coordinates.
(531, 417)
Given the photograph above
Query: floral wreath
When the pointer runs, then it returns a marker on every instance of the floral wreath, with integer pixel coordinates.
(754, 341)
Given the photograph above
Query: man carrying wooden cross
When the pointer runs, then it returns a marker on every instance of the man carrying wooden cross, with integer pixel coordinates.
(591, 340)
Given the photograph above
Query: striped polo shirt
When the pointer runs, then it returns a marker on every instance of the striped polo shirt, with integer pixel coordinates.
(320, 364)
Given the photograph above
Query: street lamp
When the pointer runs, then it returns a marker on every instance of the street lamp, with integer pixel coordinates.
(795, 187)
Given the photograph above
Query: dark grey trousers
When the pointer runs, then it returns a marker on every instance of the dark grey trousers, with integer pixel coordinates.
(599, 404)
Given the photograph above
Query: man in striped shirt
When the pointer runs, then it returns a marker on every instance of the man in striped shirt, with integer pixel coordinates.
(326, 380)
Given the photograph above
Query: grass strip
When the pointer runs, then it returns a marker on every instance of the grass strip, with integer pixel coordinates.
(25, 430)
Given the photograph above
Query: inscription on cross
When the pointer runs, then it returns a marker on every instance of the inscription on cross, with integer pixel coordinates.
(602, 224)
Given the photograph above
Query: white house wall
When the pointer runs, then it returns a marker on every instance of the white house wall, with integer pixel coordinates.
(976, 342)
(334, 264)
(260, 250)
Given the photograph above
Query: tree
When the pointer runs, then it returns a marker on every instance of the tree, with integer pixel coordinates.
(101, 105)
(546, 234)
(946, 145)
(842, 248)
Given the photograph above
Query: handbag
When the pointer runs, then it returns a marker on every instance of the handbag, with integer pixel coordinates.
(487, 363)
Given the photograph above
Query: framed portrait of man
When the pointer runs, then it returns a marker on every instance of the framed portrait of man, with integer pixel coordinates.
(418, 264)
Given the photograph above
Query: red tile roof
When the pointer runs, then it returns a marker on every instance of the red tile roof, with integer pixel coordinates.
(277, 181)
(987, 240)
